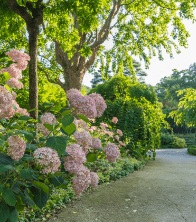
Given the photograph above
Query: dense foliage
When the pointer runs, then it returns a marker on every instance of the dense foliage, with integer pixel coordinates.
(137, 109)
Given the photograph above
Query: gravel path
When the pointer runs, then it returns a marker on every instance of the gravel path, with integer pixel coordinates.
(164, 190)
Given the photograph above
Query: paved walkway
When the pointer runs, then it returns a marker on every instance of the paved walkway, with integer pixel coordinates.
(164, 190)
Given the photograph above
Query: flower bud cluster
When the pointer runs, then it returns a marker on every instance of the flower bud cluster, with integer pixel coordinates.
(16, 148)
(48, 159)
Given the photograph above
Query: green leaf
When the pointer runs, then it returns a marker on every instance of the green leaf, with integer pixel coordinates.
(100, 149)
(31, 146)
(24, 132)
(57, 143)
(4, 168)
(26, 173)
(48, 104)
(24, 118)
(6, 160)
(19, 205)
(14, 107)
(26, 199)
(1, 188)
(69, 129)
(56, 108)
(91, 157)
(7, 76)
(83, 118)
(41, 186)
(15, 188)
(4, 211)
(49, 127)
(67, 120)
(26, 157)
(40, 198)
(13, 217)
(57, 180)
(9, 197)
(66, 112)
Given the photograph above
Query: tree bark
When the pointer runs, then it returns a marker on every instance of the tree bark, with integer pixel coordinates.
(32, 23)
(33, 78)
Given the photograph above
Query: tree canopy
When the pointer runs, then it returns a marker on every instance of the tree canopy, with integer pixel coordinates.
(79, 28)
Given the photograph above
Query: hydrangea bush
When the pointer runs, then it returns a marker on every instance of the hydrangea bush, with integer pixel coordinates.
(32, 164)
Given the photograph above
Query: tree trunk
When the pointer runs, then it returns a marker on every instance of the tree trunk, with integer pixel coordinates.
(33, 79)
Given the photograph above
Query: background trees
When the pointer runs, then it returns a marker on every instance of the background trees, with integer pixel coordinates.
(78, 29)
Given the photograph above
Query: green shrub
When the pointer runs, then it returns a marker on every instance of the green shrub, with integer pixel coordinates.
(192, 150)
(178, 142)
(170, 141)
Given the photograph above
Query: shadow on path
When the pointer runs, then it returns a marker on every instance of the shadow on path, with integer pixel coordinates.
(164, 190)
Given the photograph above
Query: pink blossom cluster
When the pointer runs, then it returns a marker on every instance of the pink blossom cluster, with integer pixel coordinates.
(83, 137)
(94, 179)
(12, 82)
(6, 111)
(114, 120)
(83, 124)
(43, 129)
(48, 118)
(103, 125)
(76, 152)
(90, 106)
(120, 132)
(92, 129)
(112, 152)
(96, 143)
(81, 181)
(121, 143)
(71, 165)
(48, 159)
(99, 102)
(16, 148)
(116, 137)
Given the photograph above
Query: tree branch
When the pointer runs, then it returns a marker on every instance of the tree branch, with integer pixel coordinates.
(58, 81)
(163, 6)
(106, 26)
(128, 3)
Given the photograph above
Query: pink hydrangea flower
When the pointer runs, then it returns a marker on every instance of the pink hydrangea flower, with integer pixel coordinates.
(112, 152)
(76, 152)
(96, 143)
(16, 148)
(82, 181)
(116, 137)
(48, 159)
(83, 124)
(5, 98)
(83, 137)
(99, 103)
(71, 165)
(14, 83)
(48, 118)
(94, 179)
(121, 143)
(115, 120)
(7, 113)
(103, 125)
(120, 132)
(43, 129)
